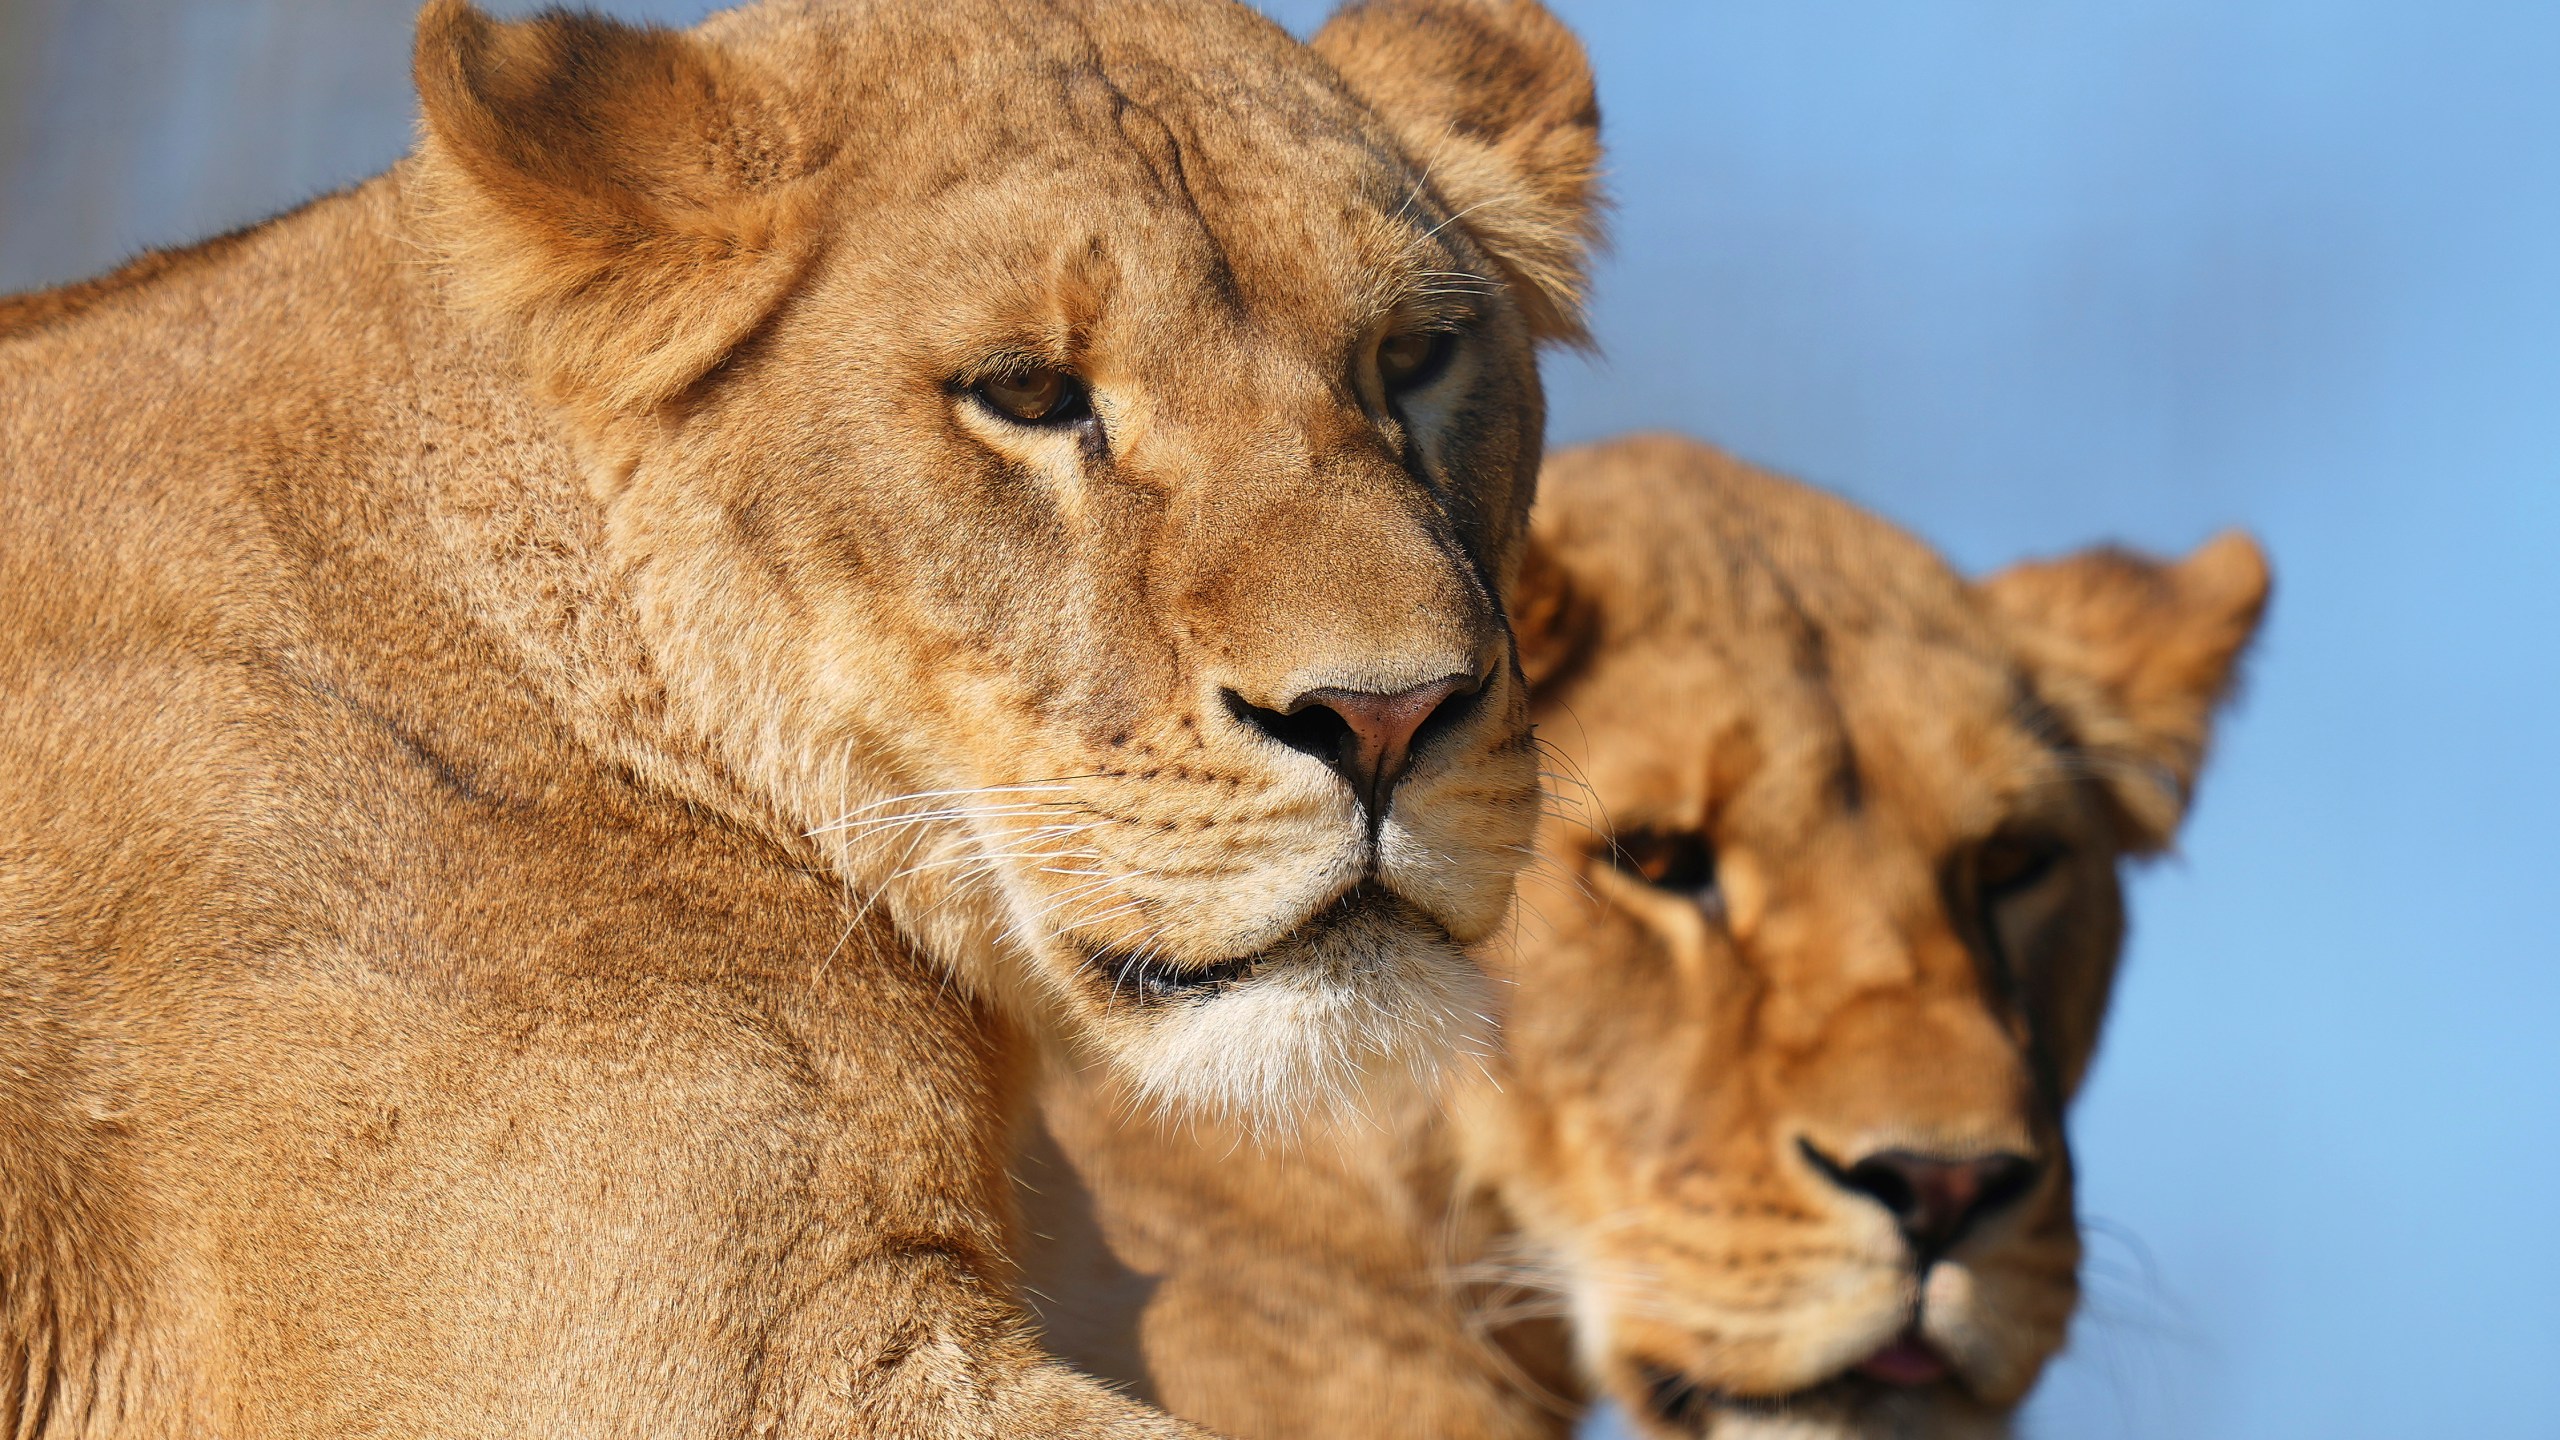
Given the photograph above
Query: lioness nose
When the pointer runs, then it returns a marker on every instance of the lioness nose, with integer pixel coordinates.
(1368, 738)
(1934, 1198)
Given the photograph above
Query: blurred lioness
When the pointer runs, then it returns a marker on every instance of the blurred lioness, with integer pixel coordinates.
(1824, 926)
(565, 710)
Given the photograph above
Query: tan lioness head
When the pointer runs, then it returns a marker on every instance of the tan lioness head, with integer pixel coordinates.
(1067, 458)
(1788, 1061)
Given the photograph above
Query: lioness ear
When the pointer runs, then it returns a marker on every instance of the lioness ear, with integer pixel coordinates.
(1550, 620)
(623, 199)
(1494, 99)
(2135, 653)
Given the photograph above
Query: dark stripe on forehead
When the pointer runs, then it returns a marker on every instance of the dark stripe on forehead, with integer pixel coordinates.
(1178, 113)
(1812, 652)
(1158, 149)
(2039, 719)
(2077, 757)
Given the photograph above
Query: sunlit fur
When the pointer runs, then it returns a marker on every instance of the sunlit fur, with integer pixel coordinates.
(1620, 1204)
(1020, 745)
(555, 754)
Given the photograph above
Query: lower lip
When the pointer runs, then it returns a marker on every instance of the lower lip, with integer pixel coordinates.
(1153, 980)
(1150, 981)
(1907, 1362)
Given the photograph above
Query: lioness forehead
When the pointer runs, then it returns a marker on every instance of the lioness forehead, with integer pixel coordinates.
(1812, 648)
(1206, 104)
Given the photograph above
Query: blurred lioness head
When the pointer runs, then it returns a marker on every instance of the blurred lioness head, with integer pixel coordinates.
(1812, 961)
(1066, 459)
(1829, 927)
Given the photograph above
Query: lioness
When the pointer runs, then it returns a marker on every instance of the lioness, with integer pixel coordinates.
(563, 712)
(1825, 923)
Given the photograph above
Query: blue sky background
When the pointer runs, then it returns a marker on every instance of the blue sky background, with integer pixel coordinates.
(2024, 274)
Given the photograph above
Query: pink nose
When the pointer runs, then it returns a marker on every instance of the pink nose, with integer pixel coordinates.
(1368, 738)
(1934, 1199)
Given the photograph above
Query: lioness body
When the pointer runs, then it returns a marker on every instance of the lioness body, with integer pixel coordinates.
(1826, 923)
(488, 941)
(381, 1062)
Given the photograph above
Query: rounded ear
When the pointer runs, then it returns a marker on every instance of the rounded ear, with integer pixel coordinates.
(1551, 622)
(624, 200)
(1493, 98)
(2134, 654)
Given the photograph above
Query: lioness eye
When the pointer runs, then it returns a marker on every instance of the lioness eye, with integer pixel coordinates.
(1413, 358)
(1681, 862)
(1037, 396)
(2012, 864)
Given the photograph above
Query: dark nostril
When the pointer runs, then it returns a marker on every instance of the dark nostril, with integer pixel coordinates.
(1369, 738)
(1934, 1198)
(1458, 699)
(1316, 731)
(1886, 1186)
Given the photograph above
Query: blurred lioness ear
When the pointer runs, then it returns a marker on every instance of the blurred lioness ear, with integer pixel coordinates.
(622, 199)
(2134, 654)
(1494, 99)
(1551, 621)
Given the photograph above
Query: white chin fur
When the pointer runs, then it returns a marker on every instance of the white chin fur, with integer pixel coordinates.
(1369, 1014)
(1897, 1418)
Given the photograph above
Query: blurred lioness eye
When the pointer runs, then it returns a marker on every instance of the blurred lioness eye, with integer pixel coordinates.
(1412, 358)
(2009, 864)
(1683, 863)
(1037, 396)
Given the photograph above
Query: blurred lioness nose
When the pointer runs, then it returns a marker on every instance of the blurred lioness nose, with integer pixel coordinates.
(1934, 1198)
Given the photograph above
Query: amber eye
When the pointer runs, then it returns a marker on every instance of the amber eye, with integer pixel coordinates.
(1413, 358)
(1036, 396)
(2013, 864)
(1681, 862)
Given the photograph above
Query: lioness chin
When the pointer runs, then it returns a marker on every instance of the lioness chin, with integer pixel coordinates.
(564, 711)
(1815, 957)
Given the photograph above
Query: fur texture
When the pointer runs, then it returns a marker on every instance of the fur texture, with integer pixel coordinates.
(553, 746)
(1830, 872)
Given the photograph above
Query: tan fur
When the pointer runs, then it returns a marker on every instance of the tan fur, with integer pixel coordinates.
(1623, 1200)
(551, 755)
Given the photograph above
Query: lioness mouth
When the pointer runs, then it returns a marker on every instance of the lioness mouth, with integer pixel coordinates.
(1151, 980)
(1154, 980)
(1684, 1403)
